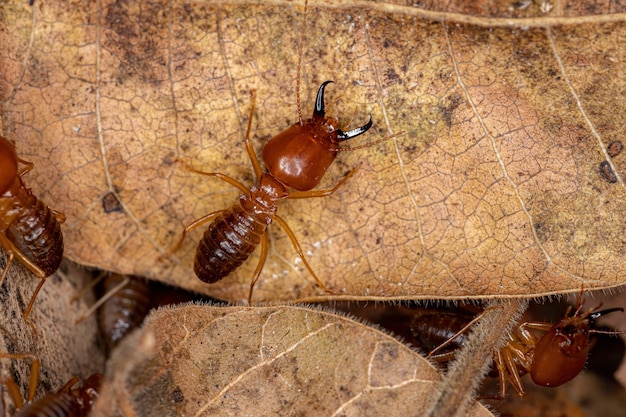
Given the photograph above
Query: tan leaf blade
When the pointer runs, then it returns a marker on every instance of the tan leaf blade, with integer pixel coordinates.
(203, 360)
(505, 184)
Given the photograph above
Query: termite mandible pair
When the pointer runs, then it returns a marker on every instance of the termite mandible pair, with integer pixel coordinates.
(29, 230)
(552, 359)
(296, 159)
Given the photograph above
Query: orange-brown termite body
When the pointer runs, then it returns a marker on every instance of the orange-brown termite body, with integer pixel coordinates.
(66, 402)
(125, 309)
(29, 230)
(125, 301)
(296, 160)
(552, 359)
(561, 353)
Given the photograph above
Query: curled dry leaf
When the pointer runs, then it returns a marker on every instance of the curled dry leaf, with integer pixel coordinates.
(217, 361)
(496, 188)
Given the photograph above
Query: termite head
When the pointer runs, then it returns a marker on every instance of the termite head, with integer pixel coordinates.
(561, 353)
(299, 156)
(88, 394)
(8, 165)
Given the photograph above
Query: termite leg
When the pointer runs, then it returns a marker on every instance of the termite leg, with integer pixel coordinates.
(14, 392)
(251, 154)
(32, 302)
(527, 337)
(190, 228)
(500, 366)
(257, 272)
(119, 287)
(323, 193)
(69, 384)
(516, 381)
(27, 167)
(296, 246)
(442, 357)
(6, 266)
(13, 251)
(223, 177)
(32, 383)
(58, 215)
(256, 165)
(460, 332)
(89, 286)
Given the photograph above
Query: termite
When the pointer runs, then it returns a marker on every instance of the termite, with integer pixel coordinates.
(29, 230)
(552, 360)
(125, 301)
(561, 353)
(126, 307)
(296, 160)
(66, 402)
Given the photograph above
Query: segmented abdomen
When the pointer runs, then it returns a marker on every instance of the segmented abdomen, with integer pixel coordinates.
(434, 327)
(125, 310)
(52, 405)
(230, 240)
(36, 233)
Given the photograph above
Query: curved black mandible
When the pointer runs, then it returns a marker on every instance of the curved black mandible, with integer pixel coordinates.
(319, 101)
(319, 112)
(597, 314)
(355, 132)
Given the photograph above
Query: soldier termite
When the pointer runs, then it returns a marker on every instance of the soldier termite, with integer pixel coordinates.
(296, 159)
(29, 230)
(66, 402)
(552, 359)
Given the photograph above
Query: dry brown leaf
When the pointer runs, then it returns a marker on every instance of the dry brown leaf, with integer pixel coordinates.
(205, 360)
(504, 183)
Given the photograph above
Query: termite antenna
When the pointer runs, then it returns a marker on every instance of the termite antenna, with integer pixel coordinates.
(300, 56)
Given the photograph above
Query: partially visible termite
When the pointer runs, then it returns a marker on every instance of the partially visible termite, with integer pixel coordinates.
(552, 360)
(29, 230)
(66, 402)
(126, 307)
(125, 301)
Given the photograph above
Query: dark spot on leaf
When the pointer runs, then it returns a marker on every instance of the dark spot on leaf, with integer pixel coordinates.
(110, 203)
(169, 159)
(136, 41)
(392, 76)
(447, 110)
(615, 148)
(177, 395)
(607, 173)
